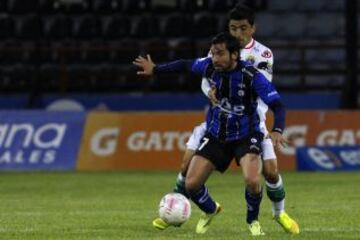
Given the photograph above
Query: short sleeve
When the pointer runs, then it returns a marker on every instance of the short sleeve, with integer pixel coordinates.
(264, 89)
(200, 65)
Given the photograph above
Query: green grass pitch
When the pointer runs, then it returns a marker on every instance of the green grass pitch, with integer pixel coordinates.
(121, 205)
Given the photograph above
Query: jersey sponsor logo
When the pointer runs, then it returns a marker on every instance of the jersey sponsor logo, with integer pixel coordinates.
(227, 107)
(266, 54)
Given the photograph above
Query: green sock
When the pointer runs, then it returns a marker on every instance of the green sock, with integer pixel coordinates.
(180, 185)
(276, 194)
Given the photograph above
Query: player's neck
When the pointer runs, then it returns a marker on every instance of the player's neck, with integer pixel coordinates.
(233, 66)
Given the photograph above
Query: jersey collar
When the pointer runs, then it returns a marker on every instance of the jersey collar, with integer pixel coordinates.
(250, 44)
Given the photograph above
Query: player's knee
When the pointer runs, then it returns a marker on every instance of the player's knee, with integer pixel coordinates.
(253, 183)
(271, 177)
(270, 171)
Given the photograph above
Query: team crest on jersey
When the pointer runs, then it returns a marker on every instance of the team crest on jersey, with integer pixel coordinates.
(250, 59)
(241, 93)
(266, 54)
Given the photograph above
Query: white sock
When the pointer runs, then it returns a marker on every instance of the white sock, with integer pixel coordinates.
(278, 207)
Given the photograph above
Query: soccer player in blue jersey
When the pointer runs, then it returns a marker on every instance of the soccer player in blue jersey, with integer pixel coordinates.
(233, 125)
(242, 26)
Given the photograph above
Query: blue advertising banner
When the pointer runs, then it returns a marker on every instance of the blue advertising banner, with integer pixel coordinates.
(328, 158)
(39, 140)
(125, 102)
(167, 102)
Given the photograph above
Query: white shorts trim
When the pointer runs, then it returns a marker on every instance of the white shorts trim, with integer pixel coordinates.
(194, 141)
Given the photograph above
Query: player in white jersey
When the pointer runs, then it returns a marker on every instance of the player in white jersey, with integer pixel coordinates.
(241, 25)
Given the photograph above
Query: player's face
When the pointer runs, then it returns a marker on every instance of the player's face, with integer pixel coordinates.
(221, 57)
(242, 30)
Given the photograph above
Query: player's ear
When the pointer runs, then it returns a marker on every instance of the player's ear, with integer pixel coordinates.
(253, 28)
(235, 55)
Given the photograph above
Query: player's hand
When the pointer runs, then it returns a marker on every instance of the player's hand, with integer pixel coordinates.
(146, 64)
(212, 96)
(278, 140)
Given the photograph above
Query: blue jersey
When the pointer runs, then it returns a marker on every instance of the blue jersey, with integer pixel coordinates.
(235, 117)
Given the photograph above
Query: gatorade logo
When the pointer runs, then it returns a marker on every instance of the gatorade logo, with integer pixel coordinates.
(104, 141)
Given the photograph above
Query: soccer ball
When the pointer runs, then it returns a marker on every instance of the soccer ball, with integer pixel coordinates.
(174, 209)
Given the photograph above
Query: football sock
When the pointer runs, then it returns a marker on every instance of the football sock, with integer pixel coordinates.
(276, 193)
(180, 185)
(203, 200)
(253, 204)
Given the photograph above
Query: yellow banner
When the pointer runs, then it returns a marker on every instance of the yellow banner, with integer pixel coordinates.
(157, 140)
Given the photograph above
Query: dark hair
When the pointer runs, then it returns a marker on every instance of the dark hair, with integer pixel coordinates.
(231, 43)
(242, 12)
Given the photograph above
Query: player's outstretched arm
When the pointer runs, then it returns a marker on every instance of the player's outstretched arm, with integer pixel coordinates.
(146, 64)
(149, 67)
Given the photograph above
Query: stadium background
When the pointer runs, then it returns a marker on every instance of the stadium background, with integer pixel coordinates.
(70, 100)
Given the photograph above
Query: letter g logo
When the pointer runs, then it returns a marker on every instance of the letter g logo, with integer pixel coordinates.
(104, 141)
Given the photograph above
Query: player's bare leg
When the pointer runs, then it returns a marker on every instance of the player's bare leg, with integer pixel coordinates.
(276, 193)
(251, 168)
(192, 144)
(180, 181)
(199, 171)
